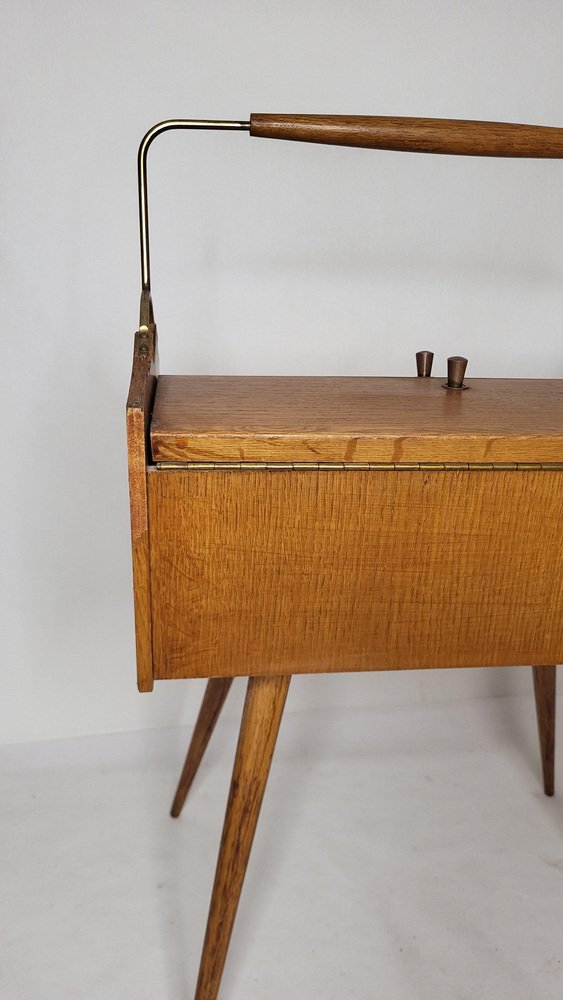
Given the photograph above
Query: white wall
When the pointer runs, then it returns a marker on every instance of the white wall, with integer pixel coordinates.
(268, 258)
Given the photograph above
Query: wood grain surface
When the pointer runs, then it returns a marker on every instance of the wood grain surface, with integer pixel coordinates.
(290, 572)
(417, 135)
(355, 419)
(138, 412)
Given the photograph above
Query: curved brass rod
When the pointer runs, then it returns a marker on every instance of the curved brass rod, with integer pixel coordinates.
(165, 126)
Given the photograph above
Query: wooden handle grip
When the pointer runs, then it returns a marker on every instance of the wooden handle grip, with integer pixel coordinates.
(415, 135)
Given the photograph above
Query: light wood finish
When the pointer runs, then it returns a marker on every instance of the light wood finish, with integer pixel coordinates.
(545, 694)
(269, 573)
(139, 407)
(293, 572)
(417, 135)
(213, 700)
(261, 719)
(335, 419)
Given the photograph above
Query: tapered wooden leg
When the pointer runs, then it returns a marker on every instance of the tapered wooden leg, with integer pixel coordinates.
(213, 700)
(263, 709)
(544, 690)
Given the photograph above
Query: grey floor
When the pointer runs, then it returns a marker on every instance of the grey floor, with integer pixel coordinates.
(402, 854)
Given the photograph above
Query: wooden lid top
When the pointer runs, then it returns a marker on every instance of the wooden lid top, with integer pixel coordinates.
(355, 419)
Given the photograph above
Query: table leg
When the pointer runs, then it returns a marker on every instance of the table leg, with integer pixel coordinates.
(263, 710)
(545, 690)
(213, 700)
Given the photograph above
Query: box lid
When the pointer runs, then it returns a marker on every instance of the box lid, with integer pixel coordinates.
(355, 419)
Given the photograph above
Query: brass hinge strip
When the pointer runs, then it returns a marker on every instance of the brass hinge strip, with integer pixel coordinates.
(361, 466)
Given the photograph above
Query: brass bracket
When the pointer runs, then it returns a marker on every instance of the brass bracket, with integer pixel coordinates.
(165, 126)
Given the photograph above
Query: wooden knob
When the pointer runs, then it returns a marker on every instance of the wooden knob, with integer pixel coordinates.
(456, 372)
(424, 361)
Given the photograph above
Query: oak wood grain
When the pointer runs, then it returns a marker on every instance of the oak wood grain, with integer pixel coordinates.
(356, 419)
(213, 700)
(290, 572)
(545, 695)
(418, 135)
(138, 412)
(261, 719)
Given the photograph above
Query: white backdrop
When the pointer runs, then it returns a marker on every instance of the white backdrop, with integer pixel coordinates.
(267, 258)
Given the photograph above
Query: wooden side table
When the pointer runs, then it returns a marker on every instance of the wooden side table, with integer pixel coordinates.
(311, 525)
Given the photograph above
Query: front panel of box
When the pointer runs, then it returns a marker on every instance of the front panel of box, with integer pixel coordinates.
(268, 572)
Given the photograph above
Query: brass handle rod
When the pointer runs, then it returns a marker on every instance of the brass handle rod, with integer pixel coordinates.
(417, 135)
(420, 135)
(165, 126)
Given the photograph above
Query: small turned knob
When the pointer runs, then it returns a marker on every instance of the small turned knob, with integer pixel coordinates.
(424, 361)
(456, 372)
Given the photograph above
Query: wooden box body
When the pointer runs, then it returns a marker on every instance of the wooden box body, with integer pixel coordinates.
(313, 525)
(298, 571)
